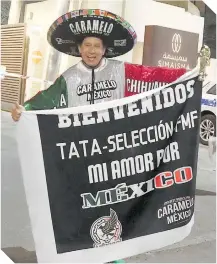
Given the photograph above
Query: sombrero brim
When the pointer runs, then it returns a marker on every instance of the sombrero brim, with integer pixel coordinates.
(68, 29)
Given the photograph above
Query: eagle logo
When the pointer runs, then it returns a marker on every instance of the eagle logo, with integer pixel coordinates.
(106, 230)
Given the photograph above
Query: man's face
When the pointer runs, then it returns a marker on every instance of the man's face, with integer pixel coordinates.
(91, 51)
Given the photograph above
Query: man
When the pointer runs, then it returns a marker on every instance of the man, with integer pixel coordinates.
(94, 35)
(94, 79)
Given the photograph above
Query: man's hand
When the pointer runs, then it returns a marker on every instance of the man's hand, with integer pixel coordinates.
(17, 111)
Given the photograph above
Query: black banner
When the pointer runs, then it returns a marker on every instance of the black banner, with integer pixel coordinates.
(124, 172)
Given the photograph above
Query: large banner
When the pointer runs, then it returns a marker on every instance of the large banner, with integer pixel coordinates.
(112, 180)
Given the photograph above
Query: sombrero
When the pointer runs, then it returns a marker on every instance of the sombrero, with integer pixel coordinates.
(65, 33)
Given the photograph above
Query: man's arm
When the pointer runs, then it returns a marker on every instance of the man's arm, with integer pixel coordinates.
(54, 97)
(148, 74)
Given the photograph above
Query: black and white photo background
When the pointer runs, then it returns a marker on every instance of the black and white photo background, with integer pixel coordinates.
(111, 180)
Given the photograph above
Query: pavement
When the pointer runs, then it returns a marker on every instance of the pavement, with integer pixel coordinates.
(16, 236)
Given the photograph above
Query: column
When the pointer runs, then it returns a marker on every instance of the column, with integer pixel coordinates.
(54, 58)
(15, 9)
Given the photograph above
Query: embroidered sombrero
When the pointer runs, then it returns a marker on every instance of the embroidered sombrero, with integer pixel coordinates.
(65, 33)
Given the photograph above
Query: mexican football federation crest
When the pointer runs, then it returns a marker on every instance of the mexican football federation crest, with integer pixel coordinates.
(106, 230)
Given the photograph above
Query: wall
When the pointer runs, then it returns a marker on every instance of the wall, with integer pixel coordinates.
(37, 30)
(193, 9)
(39, 20)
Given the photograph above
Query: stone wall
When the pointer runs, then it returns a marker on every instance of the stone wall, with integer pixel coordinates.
(209, 36)
(5, 8)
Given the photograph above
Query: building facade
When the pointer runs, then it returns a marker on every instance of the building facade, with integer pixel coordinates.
(139, 13)
(204, 11)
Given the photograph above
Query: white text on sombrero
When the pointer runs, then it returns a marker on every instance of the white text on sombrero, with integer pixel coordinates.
(91, 26)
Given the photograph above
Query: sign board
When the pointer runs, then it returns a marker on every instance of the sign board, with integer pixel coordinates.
(168, 47)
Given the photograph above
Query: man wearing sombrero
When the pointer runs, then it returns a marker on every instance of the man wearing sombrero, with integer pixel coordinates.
(94, 35)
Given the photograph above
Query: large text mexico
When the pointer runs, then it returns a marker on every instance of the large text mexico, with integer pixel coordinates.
(115, 181)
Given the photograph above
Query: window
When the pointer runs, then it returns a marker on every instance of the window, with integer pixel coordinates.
(212, 90)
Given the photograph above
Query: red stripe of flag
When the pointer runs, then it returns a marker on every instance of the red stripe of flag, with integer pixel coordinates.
(60, 20)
